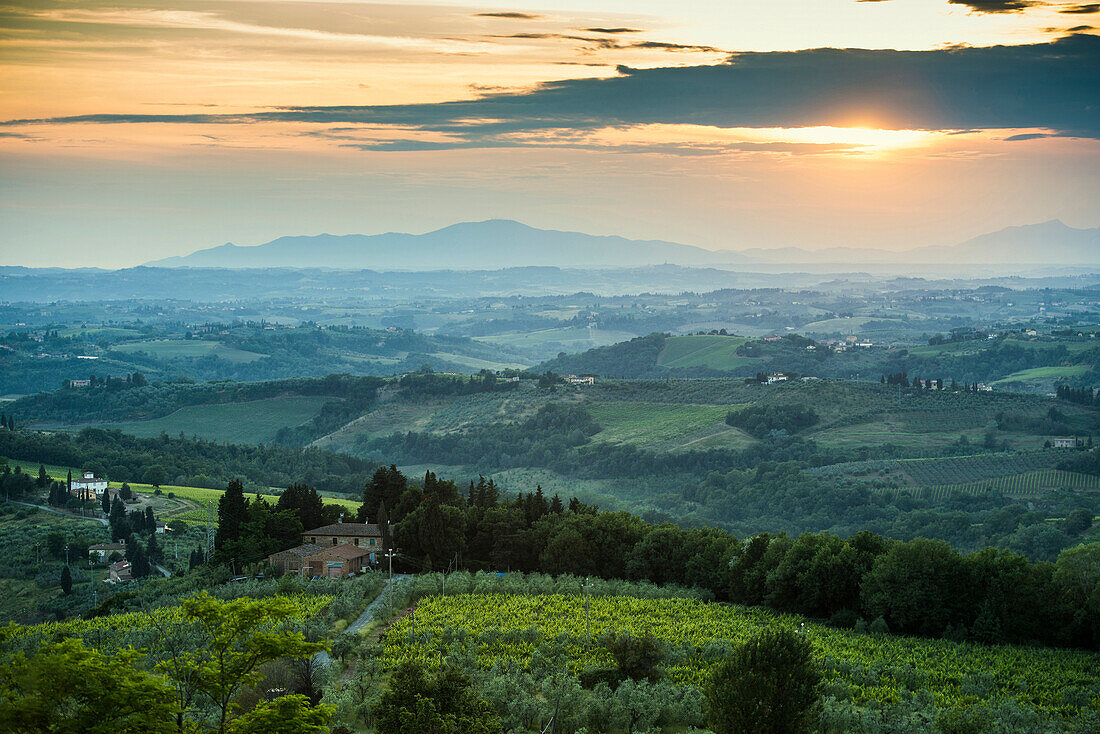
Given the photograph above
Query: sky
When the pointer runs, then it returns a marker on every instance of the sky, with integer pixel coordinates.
(132, 130)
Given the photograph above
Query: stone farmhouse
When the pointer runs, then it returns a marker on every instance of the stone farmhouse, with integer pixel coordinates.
(337, 550)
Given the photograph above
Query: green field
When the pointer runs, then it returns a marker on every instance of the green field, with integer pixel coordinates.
(1045, 373)
(479, 364)
(93, 330)
(666, 426)
(576, 338)
(716, 352)
(846, 324)
(175, 348)
(254, 422)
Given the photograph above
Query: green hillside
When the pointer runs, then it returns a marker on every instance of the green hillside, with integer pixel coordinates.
(174, 348)
(253, 422)
(716, 352)
(667, 427)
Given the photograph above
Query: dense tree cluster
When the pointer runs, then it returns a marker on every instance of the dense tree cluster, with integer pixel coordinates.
(919, 587)
(760, 420)
(1081, 395)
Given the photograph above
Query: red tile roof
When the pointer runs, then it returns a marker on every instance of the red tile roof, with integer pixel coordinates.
(349, 529)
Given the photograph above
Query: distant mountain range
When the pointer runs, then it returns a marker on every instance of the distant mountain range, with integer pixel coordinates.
(499, 243)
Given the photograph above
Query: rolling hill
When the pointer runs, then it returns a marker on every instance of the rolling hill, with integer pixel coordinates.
(492, 244)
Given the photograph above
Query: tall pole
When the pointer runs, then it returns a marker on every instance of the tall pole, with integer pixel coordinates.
(66, 555)
(390, 554)
(587, 616)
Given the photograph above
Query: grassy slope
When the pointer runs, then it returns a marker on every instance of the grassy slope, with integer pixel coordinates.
(171, 349)
(667, 427)
(253, 422)
(716, 352)
(1045, 373)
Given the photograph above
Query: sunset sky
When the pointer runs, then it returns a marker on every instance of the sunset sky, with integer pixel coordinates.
(138, 129)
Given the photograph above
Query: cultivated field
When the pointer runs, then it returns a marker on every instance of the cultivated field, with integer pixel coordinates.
(253, 422)
(503, 628)
(173, 348)
(716, 352)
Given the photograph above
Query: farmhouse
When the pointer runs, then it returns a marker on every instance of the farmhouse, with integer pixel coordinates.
(121, 571)
(358, 534)
(293, 561)
(582, 380)
(88, 485)
(776, 377)
(79, 383)
(104, 550)
(339, 561)
(1063, 442)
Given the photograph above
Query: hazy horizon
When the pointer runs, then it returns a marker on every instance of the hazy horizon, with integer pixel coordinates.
(144, 129)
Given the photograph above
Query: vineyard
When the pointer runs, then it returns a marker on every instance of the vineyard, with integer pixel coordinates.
(1021, 485)
(495, 629)
(950, 470)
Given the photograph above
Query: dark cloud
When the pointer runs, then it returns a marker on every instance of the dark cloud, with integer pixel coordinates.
(1049, 85)
(510, 15)
(612, 30)
(997, 6)
(612, 44)
(1027, 136)
(1081, 9)
(673, 46)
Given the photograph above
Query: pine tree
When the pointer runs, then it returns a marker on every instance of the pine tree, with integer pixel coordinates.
(106, 502)
(66, 580)
(69, 482)
(150, 520)
(43, 477)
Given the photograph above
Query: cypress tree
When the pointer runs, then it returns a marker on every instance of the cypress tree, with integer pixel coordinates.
(232, 514)
(66, 580)
(384, 526)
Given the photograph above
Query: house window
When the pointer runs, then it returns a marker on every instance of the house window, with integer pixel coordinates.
(372, 541)
(334, 541)
(357, 542)
(313, 540)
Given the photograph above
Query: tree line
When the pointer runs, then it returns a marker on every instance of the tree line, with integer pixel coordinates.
(921, 586)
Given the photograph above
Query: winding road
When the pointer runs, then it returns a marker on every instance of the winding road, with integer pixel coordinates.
(164, 571)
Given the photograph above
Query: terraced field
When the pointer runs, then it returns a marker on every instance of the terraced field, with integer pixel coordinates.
(716, 352)
(253, 422)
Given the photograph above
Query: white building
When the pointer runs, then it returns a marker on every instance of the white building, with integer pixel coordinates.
(90, 483)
